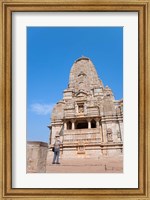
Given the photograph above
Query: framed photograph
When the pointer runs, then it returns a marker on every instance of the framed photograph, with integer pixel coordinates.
(74, 101)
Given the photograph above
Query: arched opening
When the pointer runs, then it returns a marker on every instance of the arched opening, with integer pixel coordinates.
(81, 124)
(69, 125)
(93, 123)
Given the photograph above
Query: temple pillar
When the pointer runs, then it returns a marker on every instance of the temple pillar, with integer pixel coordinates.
(65, 126)
(100, 131)
(73, 124)
(89, 123)
(97, 122)
(104, 128)
(120, 130)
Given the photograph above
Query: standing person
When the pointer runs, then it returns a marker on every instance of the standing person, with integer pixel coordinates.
(56, 146)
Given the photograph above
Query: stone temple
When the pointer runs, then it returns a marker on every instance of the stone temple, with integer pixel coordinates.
(88, 118)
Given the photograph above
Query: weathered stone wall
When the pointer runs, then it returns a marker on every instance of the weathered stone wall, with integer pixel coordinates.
(36, 157)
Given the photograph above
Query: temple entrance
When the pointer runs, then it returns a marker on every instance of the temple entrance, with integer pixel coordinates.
(81, 124)
(93, 124)
(69, 125)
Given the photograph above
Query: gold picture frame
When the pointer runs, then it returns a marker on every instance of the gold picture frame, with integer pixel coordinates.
(7, 7)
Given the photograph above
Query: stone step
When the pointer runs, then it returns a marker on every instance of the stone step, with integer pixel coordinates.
(106, 165)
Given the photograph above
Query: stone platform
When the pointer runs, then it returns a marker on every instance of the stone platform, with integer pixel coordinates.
(101, 165)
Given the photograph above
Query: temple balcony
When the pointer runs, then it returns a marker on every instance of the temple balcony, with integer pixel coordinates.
(82, 131)
(82, 136)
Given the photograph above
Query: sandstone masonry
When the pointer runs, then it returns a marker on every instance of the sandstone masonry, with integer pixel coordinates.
(36, 157)
(88, 118)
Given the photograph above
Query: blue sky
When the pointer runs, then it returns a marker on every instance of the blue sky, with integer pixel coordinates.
(51, 52)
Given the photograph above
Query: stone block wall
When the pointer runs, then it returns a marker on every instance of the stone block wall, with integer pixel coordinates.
(36, 157)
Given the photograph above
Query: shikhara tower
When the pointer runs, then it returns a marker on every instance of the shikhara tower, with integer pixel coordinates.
(88, 118)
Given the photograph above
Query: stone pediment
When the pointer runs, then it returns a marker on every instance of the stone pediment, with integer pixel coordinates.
(81, 94)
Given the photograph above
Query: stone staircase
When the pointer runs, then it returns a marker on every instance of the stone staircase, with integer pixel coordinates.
(105, 165)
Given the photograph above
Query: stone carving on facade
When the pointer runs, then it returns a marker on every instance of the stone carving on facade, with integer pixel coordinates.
(81, 108)
(118, 134)
(85, 108)
(76, 108)
(109, 135)
(69, 105)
